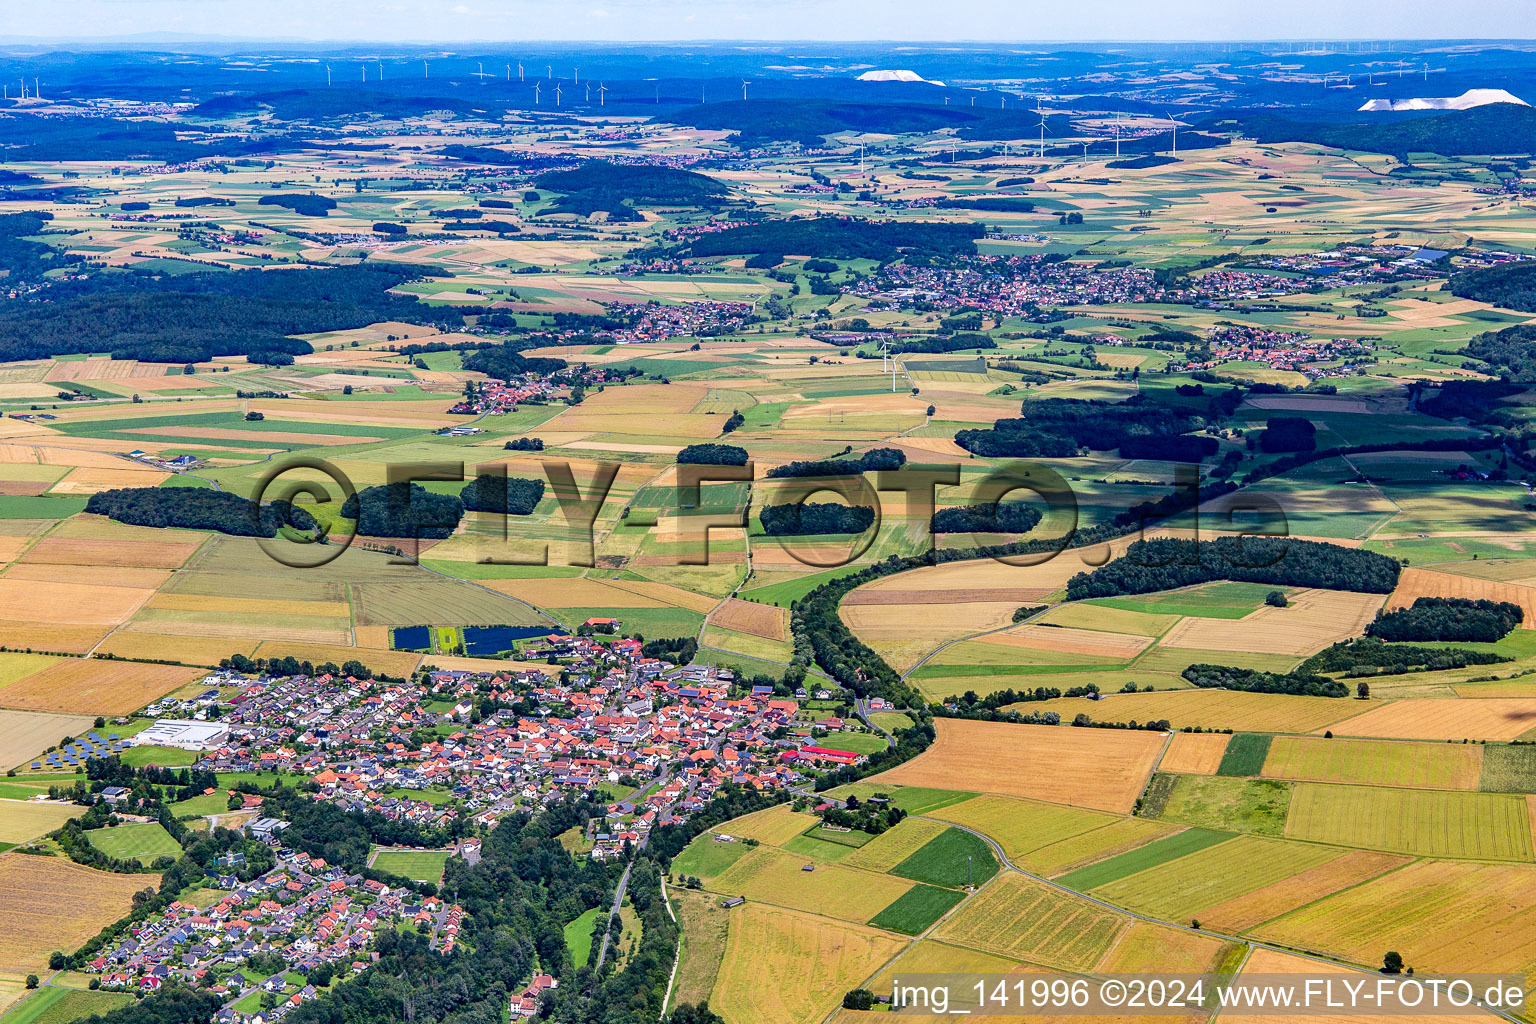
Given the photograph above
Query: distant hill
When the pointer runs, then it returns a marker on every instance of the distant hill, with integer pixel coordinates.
(760, 122)
(1495, 129)
(310, 104)
(614, 189)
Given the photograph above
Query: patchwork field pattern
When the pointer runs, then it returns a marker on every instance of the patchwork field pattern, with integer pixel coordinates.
(1208, 709)
(1408, 909)
(1313, 620)
(1097, 768)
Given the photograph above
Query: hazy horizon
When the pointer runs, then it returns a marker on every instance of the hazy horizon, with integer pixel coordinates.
(472, 22)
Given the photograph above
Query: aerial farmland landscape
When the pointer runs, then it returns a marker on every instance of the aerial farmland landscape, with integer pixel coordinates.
(729, 523)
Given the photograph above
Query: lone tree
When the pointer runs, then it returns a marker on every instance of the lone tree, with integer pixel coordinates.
(1276, 599)
(1392, 963)
(1363, 690)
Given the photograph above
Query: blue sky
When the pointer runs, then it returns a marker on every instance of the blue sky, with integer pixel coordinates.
(428, 21)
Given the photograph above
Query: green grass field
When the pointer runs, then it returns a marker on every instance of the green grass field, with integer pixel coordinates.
(855, 742)
(578, 937)
(916, 909)
(953, 858)
(141, 842)
(52, 1005)
(419, 866)
(705, 858)
(1244, 805)
(1159, 851)
(165, 757)
(1245, 754)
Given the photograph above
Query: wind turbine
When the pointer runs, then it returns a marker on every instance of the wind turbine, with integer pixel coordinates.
(576, 76)
(424, 70)
(1041, 111)
(589, 92)
(744, 84)
(536, 92)
(1117, 135)
(557, 94)
(549, 72)
(381, 71)
(509, 72)
(482, 74)
(1174, 126)
(520, 71)
(327, 78)
(365, 73)
(602, 95)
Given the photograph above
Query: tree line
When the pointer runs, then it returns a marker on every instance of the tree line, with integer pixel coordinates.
(1165, 564)
(197, 508)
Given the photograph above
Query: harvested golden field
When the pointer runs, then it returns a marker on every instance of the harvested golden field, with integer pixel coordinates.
(1490, 718)
(668, 594)
(1108, 620)
(1313, 620)
(49, 903)
(1072, 641)
(24, 735)
(240, 606)
(1440, 915)
(22, 821)
(70, 603)
(89, 480)
(1208, 709)
(1100, 768)
(1155, 947)
(790, 967)
(49, 636)
(1194, 753)
(1271, 961)
(935, 584)
(158, 554)
(189, 650)
(96, 686)
(1253, 908)
(763, 620)
(572, 593)
(101, 575)
(1416, 583)
(1375, 762)
(1020, 918)
(394, 663)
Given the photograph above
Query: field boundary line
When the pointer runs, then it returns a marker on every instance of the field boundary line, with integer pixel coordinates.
(1251, 943)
